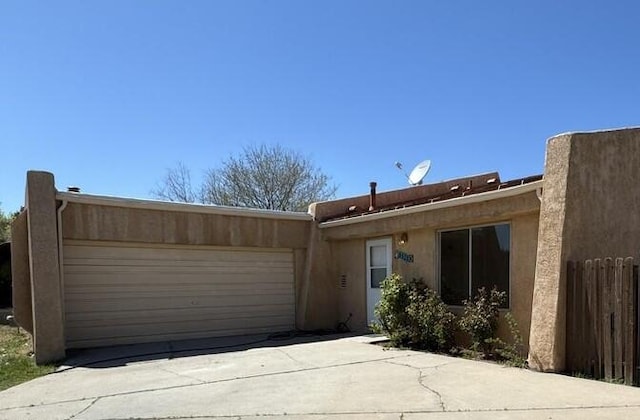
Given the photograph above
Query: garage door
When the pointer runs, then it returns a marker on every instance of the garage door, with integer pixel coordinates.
(120, 294)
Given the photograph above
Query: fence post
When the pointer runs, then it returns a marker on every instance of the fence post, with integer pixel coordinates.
(628, 320)
(570, 351)
(606, 317)
(598, 287)
(587, 316)
(618, 328)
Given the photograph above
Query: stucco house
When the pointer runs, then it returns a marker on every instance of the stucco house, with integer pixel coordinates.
(92, 270)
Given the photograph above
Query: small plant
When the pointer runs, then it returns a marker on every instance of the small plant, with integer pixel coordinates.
(480, 319)
(413, 315)
(510, 353)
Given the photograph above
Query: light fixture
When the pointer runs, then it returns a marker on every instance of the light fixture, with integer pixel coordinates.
(404, 238)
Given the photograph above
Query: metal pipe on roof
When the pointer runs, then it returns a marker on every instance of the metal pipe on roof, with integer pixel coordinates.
(372, 195)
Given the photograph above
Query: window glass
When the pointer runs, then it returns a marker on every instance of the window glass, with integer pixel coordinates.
(454, 266)
(490, 258)
(487, 254)
(377, 275)
(378, 256)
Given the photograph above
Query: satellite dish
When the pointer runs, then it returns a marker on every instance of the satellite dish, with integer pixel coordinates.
(419, 172)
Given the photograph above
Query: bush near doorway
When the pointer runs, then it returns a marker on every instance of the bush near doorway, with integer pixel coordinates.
(412, 315)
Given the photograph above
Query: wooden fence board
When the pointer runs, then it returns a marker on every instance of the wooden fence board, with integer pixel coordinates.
(618, 351)
(603, 318)
(572, 315)
(580, 296)
(606, 317)
(628, 320)
(596, 314)
(586, 281)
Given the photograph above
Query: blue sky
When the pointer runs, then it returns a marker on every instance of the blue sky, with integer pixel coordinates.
(107, 94)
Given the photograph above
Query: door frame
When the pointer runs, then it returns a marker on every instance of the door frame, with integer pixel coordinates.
(373, 295)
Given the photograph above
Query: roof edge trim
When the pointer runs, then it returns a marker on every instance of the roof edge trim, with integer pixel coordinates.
(138, 203)
(458, 201)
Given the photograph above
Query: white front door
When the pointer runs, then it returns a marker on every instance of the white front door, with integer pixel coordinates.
(378, 268)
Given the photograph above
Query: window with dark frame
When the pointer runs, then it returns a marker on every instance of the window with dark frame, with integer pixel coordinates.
(473, 258)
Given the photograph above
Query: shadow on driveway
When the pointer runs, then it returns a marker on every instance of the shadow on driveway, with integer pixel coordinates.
(113, 356)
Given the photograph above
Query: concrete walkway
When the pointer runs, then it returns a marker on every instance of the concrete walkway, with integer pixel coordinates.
(339, 378)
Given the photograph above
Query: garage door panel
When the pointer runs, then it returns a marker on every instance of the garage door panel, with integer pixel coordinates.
(173, 327)
(99, 303)
(166, 315)
(160, 266)
(122, 340)
(178, 289)
(124, 277)
(117, 292)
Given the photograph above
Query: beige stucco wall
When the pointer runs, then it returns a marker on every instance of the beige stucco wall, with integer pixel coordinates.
(349, 261)
(350, 254)
(319, 297)
(20, 275)
(109, 223)
(524, 242)
(589, 210)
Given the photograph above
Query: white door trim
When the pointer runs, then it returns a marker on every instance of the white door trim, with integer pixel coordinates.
(373, 294)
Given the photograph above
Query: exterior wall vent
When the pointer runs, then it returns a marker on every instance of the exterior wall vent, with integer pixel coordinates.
(343, 281)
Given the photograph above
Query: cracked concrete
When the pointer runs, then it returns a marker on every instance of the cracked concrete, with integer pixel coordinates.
(420, 380)
(339, 378)
(88, 406)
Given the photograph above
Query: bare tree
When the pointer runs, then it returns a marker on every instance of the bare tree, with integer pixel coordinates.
(265, 177)
(176, 185)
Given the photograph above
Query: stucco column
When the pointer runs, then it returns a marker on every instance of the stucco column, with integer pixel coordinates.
(548, 333)
(46, 293)
(589, 209)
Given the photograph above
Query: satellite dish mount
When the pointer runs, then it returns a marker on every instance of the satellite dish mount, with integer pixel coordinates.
(418, 173)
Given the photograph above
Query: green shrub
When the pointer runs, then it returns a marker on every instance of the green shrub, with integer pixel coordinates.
(413, 315)
(510, 353)
(390, 311)
(480, 319)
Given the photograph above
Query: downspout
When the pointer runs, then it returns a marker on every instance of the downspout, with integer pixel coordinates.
(539, 193)
(60, 256)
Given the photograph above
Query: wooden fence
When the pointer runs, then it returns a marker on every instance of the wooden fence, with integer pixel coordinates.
(602, 314)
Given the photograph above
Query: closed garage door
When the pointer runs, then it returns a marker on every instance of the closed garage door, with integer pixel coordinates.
(119, 294)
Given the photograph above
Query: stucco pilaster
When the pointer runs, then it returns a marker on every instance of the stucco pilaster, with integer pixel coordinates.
(46, 293)
(589, 210)
(547, 334)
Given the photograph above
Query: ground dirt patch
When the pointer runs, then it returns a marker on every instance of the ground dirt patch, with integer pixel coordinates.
(16, 363)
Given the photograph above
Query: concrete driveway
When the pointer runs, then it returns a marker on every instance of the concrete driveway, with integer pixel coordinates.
(338, 378)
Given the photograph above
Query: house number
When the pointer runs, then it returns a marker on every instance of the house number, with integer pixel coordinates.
(400, 255)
